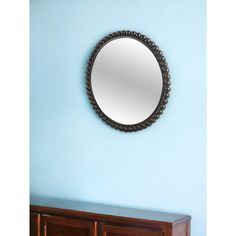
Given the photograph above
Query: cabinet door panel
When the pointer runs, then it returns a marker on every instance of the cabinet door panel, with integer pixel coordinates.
(34, 224)
(60, 226)
(114, 230)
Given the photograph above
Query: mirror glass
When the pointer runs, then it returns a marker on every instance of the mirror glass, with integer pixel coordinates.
(126, 81)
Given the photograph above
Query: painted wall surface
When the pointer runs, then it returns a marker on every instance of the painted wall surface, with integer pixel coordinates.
(74, 155)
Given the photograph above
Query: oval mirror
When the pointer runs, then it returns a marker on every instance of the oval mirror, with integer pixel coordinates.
(128, 81)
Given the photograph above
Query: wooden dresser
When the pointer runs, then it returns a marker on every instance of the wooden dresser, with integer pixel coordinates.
(57, 217)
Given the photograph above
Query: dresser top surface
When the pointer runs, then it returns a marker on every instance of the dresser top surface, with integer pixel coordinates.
(102, 209)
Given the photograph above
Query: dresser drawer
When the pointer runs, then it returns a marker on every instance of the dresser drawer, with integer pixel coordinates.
(115, 230)
(61, 226)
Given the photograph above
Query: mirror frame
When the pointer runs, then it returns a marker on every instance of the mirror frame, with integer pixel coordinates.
(165, 78)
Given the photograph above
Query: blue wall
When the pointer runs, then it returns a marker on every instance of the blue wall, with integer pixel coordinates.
(74, 155)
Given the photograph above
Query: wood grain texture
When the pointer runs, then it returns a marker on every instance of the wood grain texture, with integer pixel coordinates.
(94, 210)
(54, 226)
(34, 224)
(114, 230)
(71, 218)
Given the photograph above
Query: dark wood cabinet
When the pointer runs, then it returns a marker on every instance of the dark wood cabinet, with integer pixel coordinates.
(55, 217)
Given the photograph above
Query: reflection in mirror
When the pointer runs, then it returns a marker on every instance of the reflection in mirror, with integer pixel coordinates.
(128, 81)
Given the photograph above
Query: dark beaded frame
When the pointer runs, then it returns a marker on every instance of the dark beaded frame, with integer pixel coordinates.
(165, 76)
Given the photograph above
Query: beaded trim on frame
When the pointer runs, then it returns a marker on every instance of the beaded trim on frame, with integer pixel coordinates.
(165, 76)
